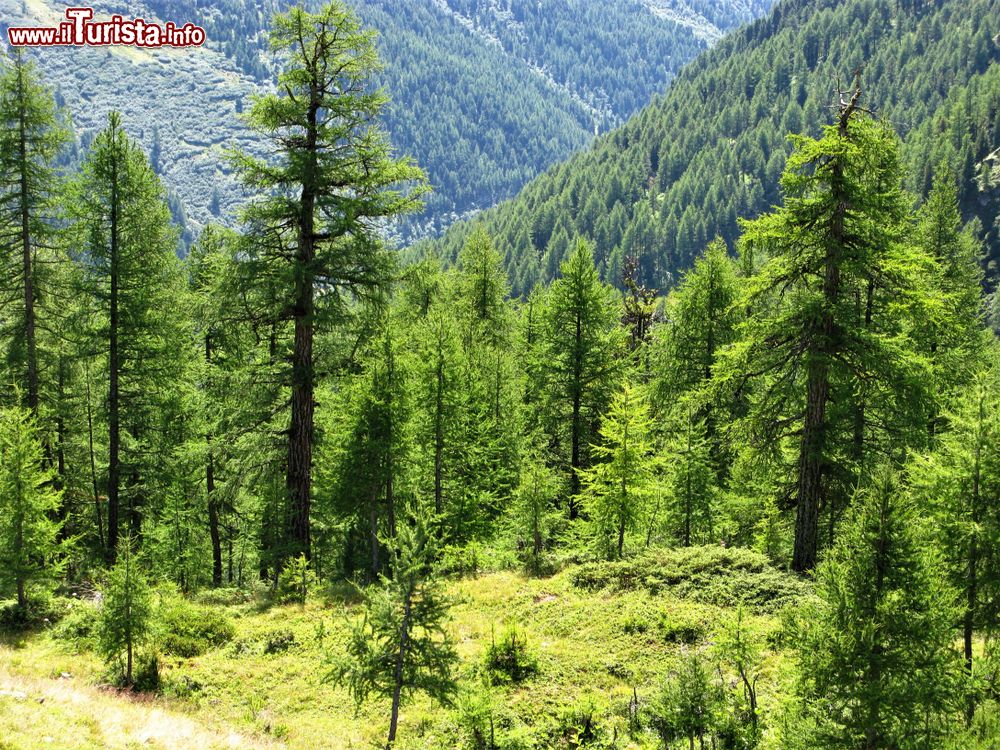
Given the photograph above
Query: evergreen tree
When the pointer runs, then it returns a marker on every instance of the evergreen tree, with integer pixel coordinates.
(701, 319)
(826, 340)
(616, 490)
(533, 515)
(315, 224)
(126, 611)
(691, 480)
(876, 651)
(688, 703)
(959, 482)
(30, 545)
(31, 137)
(400, 646)
(580, 343)
(130, 279)
(951, 325)
(368, 454)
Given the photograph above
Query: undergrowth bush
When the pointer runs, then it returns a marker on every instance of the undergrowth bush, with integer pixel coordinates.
(711, 574)
(509, 660)
(190, 630)
(296, 580)
(78, 626)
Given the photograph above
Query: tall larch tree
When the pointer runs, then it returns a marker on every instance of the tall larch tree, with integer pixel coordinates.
(31, 136)
(330, 182)
(129, 275)
(824, 335)
(581, 345)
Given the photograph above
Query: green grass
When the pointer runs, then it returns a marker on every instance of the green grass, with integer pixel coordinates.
(593, 644)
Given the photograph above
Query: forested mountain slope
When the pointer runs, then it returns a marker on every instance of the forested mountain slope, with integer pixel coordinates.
(485, 94)
(710, 151)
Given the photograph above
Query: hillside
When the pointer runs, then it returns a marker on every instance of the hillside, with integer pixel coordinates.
(711, 149)
(594, 641)
(486, 95)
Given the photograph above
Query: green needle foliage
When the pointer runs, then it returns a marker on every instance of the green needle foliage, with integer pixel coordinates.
(400, 647)
(617, 490)
(878, 664)
(125, 623)
(832, 370)
(32, 135)
(31, 550)
(319, 204)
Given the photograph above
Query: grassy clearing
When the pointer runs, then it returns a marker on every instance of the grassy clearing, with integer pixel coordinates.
(593, 645)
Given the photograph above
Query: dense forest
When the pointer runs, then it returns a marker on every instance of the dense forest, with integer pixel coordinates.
(758, 508)
(484, 95)
(711, 150)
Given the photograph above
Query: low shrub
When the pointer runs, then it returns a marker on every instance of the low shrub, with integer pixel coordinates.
(40, 610)
(279, 641)
(577, 725)
(711, 574)
(146, 673)
(509, 660)
(684, 625)
(78, 626)
(190, 630)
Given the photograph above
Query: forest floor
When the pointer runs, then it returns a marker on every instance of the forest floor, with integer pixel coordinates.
(598, 634)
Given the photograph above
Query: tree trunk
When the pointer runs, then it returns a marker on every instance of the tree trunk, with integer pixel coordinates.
(397, 676)
(577, 386)
(298, 479)
(27, 269)
(213, 505)
(812, 451)
(99, 516)
(439, 425)
(972, 582)
(213, 519)
(114, 366)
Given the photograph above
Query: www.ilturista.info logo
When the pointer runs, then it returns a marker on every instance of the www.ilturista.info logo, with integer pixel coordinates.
(79, 29)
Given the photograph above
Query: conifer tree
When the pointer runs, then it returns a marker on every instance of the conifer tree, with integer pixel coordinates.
(951, 325)
(826, 339)
(315, 225)
(580, 343)
(400, 646)
(876, 654)
(31, 137)
(616, 490)
(533, 515)
(691, 480)
(126, 611)
(130, 281)
(30, 546)
(959, 482)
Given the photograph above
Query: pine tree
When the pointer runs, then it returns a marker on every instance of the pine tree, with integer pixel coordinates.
(30, 545)
(616, 490)
(825, 347)
(701, 320)
(315, 226)
(876, 654)
(533, 515)
(126, 611)
(400, 646)
(130, 279)
(580, 343)
(691, 480)
(31, 137)
(368, 452)
(959, 482)
(952, 321)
